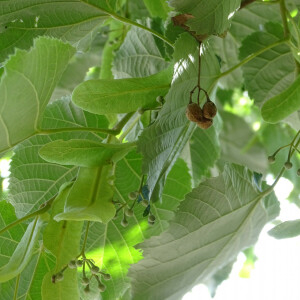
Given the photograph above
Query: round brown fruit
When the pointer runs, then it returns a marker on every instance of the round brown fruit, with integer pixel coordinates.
(194, 112)
(205, 123)
(209, 110)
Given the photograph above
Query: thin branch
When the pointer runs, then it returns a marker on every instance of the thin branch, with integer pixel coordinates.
(283, 13)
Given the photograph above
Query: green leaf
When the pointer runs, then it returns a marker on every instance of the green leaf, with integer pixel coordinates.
(90, 197)
(162, 142)
(121, 95)
(209, 18)
(204, 152)
(111, 245)
(62, 239)
(139, 56)
(157, 8)
(239, 144)
(286, 230)
(22, 108)
(205, 235)
(84, 153)
(29, 19)
(271, 72)
(33, 180)
(282, 105)
(23, 253)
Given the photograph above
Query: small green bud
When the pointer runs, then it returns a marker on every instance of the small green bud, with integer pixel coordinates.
(79, 263)
(129, 212)
(271, 159)
(87, 289)
(85, 281)
(124, 223)
(101, 287)
(59, 276)
(160, 99)
(106, 276)
(141, 110)
(298, 172)
(288, 165)
(151, 218)
(145, 203)
(72, 264)
(132, 195)
(95, 269)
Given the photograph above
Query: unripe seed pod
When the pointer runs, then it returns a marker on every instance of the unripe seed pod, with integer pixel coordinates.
(59, 276)
(132, 195)
(124, 223)
(79, 263)
(129, 212)
(288, 165)
(95, 269)
(209, 110)
(85, 281)
(151, 218)
(87, 289)
(205, 123)
(194, 112)
(106, 276)
(271, 159)
(101, 287)
(145, 203)
(72, 264)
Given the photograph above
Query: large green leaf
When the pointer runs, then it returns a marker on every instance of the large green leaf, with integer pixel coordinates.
(121, 95)
(234, 139)
(218, 219)
(209, 18)
(33, 180)
(162, 142)
(21, 108)
(286, 229)
(282, 105)
(90, 197)
(23, 252)
(84, 153)
(139, 56)
(62, 239)
(271, 72)
(111, 245)
(23, 21)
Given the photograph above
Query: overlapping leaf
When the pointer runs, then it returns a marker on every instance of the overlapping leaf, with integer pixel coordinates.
(33, 180)
(271, 72)
(217, 220)
(71, 21)
(157, 8)
(111, 245)
(162, 142)
(121, 95)
(21, 108)
(286, 229)
(138, 56)
(209, 18)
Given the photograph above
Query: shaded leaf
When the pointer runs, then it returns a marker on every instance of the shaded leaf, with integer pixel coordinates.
(162, 142)
(218, 219)
(286, 230)
(121, 95)
(271, 72)
(158, 8)
(33, 180)
(84, 153)
(22, 108)
(209, 18)
(282, 105)
(138, 56)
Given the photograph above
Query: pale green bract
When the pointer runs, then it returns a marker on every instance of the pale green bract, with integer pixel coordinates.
(213, 224)
(84, 153)
(105, 96)
(22, 107)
